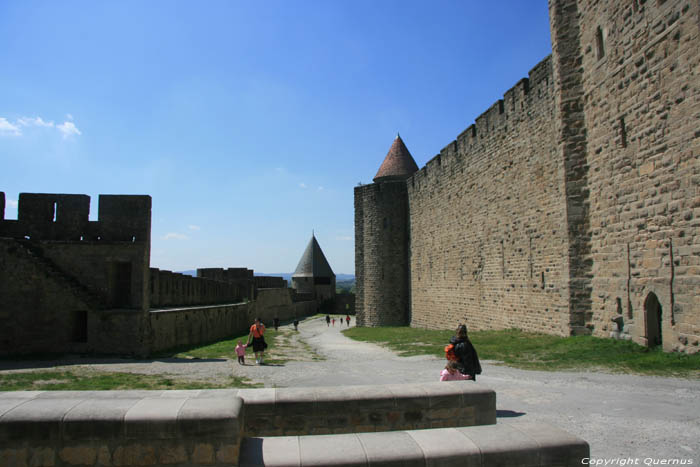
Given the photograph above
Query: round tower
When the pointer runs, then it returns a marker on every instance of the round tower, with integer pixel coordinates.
(382, 242)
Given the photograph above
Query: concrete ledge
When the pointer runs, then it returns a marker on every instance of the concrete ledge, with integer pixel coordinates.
(326, 410)
(120, 427)
(516, 444)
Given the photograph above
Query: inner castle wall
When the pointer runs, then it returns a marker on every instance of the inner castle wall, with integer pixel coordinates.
(68, 284)
(486, 218)
(571, 205)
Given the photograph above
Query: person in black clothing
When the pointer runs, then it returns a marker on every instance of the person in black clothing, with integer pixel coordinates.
(468, 360)
(276, 322)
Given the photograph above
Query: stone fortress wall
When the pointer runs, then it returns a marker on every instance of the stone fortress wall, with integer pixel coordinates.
(69, 284)
(571, 205)
(641, 96)
(486, 218)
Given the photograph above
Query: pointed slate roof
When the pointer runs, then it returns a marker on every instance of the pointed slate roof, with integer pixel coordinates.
(313, 262)
(398, 163)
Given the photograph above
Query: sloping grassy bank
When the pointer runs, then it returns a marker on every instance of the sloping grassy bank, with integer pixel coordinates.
(539, 351)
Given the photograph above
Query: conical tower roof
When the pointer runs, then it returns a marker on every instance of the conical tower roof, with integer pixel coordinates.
(313, 262)
(398, 163)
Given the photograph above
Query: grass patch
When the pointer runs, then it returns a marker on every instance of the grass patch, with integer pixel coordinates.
(99, 381)
(539, 351)
(226, 348)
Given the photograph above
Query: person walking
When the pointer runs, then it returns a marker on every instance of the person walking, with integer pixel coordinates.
(466, 357)
(347, 319)
(240, 352)
(257, 332)
(328, 320)
(276, 322)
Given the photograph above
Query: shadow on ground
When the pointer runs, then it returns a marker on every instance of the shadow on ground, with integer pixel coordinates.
(28, 363)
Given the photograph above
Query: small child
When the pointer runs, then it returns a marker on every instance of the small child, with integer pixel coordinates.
(333, 321)
(240, 351)
(451, 373)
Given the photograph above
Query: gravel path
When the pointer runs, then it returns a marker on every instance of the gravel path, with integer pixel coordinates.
(621, 416)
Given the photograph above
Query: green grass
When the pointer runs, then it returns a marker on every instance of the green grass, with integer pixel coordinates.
(226, 348)
(539, 351)
(100, 381)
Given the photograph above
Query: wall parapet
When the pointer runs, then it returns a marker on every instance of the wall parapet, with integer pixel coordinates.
(298, 411)
(121, 427)
(169, 288)
(519, 103)
(54, 216)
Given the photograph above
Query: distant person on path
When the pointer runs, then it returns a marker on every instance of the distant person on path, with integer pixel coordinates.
(257, 330)
(333, 321)
(276, 322)
(347, 318)
(296, 324)
(451, 373)
(240, 351)
(328, 320)
(340, 320)
(465, 353)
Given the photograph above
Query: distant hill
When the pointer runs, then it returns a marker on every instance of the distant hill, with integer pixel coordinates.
(285, 275)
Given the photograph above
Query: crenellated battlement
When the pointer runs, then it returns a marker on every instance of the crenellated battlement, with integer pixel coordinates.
(65, 217)
(529, 98)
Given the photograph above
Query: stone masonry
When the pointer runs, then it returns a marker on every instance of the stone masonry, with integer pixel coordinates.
(571, 206)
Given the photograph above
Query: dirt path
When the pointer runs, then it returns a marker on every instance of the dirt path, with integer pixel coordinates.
(619, 415)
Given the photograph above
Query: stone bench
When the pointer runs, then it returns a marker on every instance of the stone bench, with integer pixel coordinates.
(514, 444)
(349, 409)
(120, 428)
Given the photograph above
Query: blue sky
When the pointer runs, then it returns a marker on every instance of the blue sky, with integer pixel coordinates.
(249, 123)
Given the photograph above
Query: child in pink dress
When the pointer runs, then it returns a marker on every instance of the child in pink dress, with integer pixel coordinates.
(240, 351)
(451, 373)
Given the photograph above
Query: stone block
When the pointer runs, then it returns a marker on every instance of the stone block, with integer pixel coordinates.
(227, 454)
(446, 448)
(172, 455)
(203, 454)
(78, 455)
(95, 419)
(295, 401)
(153, 418)
(41, 457)
(556, 446)
(210, 417)
(391, 448)
(503, 445)
(271, 452)
(13, 457)
(325, 450)
(36, 419)
(134, 454)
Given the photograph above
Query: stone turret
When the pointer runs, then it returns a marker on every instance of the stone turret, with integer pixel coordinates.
(313, 274)
(382, 242)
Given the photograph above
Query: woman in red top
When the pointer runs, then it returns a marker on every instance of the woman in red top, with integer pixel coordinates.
(257, 330)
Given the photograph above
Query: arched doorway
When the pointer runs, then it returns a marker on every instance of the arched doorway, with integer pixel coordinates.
(652, 311)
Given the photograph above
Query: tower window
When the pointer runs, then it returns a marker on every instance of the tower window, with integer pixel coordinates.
(600, 43)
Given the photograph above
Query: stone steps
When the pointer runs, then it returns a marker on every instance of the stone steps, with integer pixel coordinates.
(504, 444)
